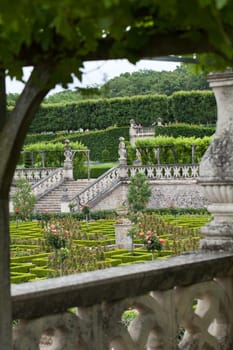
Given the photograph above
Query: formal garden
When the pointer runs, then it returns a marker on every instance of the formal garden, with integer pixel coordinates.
(53, 246)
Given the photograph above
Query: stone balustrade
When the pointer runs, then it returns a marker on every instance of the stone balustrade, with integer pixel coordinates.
(32, 174)
(51, 181)
(114, 176)
(182, 302)
(145, 131)
(98, 187)
(166, 171)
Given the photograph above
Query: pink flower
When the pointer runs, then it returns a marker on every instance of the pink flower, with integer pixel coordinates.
(161, 240)
(53, 227)
(149, 241)
(54, 232)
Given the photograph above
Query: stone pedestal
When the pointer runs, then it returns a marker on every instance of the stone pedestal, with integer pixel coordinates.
(123, 240)
(68, 170)
(216, 169)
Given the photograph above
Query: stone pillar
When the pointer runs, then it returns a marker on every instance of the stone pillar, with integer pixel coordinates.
(122, 237)
(68, 163)
(216, 169)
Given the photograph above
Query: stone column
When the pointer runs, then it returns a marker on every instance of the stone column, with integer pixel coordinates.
(68, 163)
(216, 169)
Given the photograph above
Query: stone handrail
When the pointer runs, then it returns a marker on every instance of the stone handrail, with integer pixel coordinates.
(96, 188)
(162, 294)
(32, 174)
(49, 182)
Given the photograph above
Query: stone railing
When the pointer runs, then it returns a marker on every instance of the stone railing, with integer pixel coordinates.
(114, 176)
(145, 131)
(104, 183)
(49, 182)
(183, 303)
(165, 171)
(32, 174)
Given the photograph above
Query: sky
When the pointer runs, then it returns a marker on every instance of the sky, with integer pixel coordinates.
(98, 72)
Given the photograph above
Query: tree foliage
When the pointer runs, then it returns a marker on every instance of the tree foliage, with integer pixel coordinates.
(152, 82)
(139, 193)
(24, 200)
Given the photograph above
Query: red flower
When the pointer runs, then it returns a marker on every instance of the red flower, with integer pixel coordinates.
(16, 210)
(161, 240)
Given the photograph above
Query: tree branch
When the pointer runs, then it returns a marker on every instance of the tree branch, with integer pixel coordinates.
(144, 45)
(14, 130)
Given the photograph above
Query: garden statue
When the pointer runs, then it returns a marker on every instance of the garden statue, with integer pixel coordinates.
(122, 151)
(68, 164)
(68, 152)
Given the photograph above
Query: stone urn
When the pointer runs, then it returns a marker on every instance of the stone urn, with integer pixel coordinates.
(216, 169)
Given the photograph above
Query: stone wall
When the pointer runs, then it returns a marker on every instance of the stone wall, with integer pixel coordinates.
(179, 193)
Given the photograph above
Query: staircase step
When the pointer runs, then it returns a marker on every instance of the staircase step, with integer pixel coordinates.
(51, 202)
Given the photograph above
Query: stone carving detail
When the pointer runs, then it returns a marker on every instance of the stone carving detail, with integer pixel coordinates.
(185, 318)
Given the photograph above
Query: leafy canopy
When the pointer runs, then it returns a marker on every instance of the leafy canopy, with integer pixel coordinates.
(67, 32)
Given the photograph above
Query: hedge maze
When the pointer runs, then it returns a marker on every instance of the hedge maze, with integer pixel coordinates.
(91, 245)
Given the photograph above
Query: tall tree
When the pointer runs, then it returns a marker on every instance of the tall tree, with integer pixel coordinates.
(56, 37)
(152, 82)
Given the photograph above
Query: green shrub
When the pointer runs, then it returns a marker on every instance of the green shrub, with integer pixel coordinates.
(100, 114)
(21, 278)
(95, 141)
(185, 130)
(172, 150)
(22, 268)
(196, 107)
(105, 155)
(98, 171)
(41, 272)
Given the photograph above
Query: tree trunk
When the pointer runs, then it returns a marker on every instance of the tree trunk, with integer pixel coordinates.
(13, 130)
(5, 302)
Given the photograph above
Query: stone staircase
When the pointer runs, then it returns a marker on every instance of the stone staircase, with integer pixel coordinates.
(51, 202)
